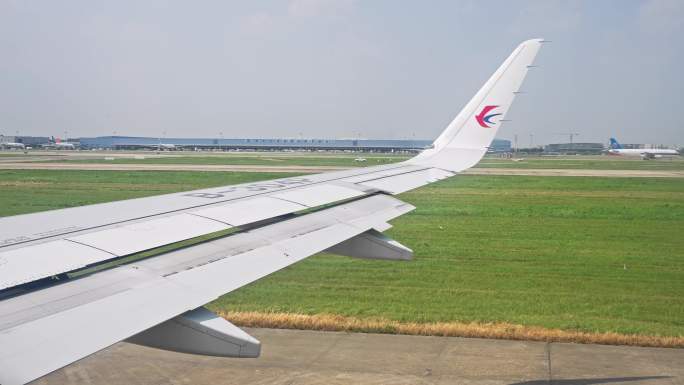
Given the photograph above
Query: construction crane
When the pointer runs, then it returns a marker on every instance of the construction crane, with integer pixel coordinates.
(571, 135)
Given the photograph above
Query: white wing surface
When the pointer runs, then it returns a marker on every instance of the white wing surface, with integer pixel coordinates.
(68, 288)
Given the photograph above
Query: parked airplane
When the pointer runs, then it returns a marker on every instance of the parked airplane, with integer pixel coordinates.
(166, 146)
(644, 153)
(61, 299)
(64, 146)
(13, 145)
(57, 144)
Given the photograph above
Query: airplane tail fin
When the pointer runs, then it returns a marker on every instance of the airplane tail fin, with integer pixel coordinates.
(615, 144)
(467, 138)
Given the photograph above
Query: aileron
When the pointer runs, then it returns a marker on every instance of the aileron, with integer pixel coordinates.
(32, 263)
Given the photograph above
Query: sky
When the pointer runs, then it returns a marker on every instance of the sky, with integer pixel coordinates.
(378, 69)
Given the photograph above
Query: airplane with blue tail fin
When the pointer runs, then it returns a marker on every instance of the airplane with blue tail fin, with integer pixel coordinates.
(645, 153)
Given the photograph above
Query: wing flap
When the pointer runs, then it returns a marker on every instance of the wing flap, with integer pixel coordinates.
(250, 211)
(136, 237)
(35, 262)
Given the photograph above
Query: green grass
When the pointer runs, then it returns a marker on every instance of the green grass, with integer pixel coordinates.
(590, 254)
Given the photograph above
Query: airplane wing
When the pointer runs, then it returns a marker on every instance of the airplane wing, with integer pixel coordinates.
(73, 281)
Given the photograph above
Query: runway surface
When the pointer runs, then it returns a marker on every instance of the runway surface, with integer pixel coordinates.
(309, 357)
(166, 167)
(316, 169)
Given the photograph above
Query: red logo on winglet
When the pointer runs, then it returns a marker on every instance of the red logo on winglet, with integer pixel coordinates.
(483, 119)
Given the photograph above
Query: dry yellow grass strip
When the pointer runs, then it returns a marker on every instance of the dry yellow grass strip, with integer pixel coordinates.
(328, 322)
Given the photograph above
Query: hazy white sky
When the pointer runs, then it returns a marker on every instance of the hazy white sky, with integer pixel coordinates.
(336, 68)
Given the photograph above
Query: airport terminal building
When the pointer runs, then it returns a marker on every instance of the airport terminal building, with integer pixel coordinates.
(266, 144)
(574, 148)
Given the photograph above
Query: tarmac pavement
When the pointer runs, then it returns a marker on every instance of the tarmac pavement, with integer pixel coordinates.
(317, 169)
(293, 357)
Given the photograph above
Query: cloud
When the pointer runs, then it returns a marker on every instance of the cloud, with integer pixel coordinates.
(661, 16)
(257, 24)
(548, 16)
(263, 24)
(316, 8)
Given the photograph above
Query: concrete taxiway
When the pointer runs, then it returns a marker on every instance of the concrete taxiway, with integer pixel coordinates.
(310, 357)
(165, 167)
(316, 169)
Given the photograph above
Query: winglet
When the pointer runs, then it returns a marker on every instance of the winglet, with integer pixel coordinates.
(467, 138)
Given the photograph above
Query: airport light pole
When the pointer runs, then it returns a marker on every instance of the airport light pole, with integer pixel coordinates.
(515, 142)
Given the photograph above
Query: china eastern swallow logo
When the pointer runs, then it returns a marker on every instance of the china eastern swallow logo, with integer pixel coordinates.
(483, 119)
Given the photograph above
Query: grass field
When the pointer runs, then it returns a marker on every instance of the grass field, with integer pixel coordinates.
(569, 253)
(574, 253)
